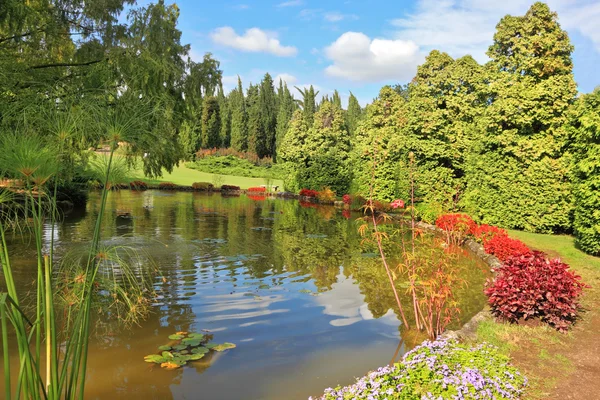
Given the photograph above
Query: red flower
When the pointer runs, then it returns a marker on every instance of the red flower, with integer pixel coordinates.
(398, 203)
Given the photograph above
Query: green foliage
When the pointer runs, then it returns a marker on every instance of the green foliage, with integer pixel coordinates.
(318, 156)
(239, 119)
(268, 106)
(189, 138)
(231, 165)
(585, 171)
(211, 123)
(353, 114)
(257, 136)
(517, 175)
(308, 103)
(225, 112)
(287, 106)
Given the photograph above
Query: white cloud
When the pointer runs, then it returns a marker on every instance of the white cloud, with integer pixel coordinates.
(335, 16)
(291, 3)
(285, 77)
(253, 40)
(462, 27)
(357, 57)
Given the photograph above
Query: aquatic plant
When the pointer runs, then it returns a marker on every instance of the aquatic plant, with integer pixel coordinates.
(439, 370)
(185, 347)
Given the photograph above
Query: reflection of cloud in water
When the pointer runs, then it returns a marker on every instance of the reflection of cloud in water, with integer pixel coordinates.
(345, 300)
(239, 306)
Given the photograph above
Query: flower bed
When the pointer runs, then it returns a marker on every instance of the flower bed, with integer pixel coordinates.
(308, 193)
(439, 370)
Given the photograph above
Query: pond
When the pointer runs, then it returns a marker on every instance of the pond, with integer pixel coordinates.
(289, 283)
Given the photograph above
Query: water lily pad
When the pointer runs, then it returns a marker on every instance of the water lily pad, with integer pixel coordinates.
(167, 354)
(224, 346)
(171, 365)
(210, 346)
(176, 336)
(198, 336)
(180, 347)
(190, 342)
(200, 350)
(195, 357)
(164, 348)
(184, 352)
(154, 358)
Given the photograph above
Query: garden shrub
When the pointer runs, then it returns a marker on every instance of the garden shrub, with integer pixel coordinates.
(167, 186)
(531, 286)
(456, 226)
(326, 196)
(257, 189)
(138, 185)
(439, 370)
(357, 202)
(483, 233)
(202, 186)
(347, 199)
(504, 247)
(308, 193)
(229, 188)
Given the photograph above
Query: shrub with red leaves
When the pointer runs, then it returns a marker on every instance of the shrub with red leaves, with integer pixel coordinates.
(483, 233)
(504, 247)
(309, 193)
(455, 226)
(257, 189)
(138, 185)
(347, 199)
(531, 286)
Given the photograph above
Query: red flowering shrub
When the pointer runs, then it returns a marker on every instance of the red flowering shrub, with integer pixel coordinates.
(229, 188)
(484, 232)
(167, 186)
(531, 286)
(347, 199)
(309, 193)
(504, 247)
(456, 226)
(138, 185)
(257, 189)
(398, 203)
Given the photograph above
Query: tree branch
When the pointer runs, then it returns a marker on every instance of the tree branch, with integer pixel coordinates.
(82, 64)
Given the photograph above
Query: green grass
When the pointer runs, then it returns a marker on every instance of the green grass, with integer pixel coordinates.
(235, 166)
(539, 350)
(184, 176)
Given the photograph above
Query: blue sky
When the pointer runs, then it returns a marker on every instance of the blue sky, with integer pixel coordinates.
(359, 46)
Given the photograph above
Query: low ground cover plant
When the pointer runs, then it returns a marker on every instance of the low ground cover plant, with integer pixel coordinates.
(504, 247)
(439, 370)
(456, 226)
(531, 286)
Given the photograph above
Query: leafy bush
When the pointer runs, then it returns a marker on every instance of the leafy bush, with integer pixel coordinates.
(531, 286)
(456, 226)
(229, 188)
(167, 186)
(257, 189)
(138, 185)
(439, 370)
(483, 233)
(202, 186)
(233, 165)
(357, 202)
(326, 196)
(347, 199)
(308, 193)
(504, 247)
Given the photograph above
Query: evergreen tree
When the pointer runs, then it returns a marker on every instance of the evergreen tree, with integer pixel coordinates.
(286, 110)
(336, 99)
(257, 138)
(268, 107)
(189, 138)
(211, 123)
(225, 111)
(308, 103)
(239, 119)
(518, 176)
(353, 114)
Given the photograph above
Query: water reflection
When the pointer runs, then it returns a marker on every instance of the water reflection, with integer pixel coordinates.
(289, 284)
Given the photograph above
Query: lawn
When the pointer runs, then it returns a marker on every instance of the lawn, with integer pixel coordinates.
(184, 176)
(547, 357)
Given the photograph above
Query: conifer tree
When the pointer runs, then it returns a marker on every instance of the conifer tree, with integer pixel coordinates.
(353, 114)
(257, 139)
(239, 119)
(286, 109)
(211, 123)
(268, 107)
(225, 112)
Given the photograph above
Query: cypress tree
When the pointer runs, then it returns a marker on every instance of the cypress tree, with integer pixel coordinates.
(239, 119)
(286, 109)
(353, 114)
(211, 123)
(336, 99)
(225, 111)
(268, 106)
(308, 103)
(257, 139)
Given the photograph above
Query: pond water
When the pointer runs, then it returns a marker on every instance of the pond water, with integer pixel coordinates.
(288, 283)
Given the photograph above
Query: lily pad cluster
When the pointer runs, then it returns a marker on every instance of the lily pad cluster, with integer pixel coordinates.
(185, 347)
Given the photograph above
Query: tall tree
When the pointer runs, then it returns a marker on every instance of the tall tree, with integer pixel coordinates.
(308, 103)
(353, 114)
(257, 137)
(268, 106)
(211, 123)
(518, 176)
(225, 111)
(287, 106)
(336, 99)
(239, 118)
